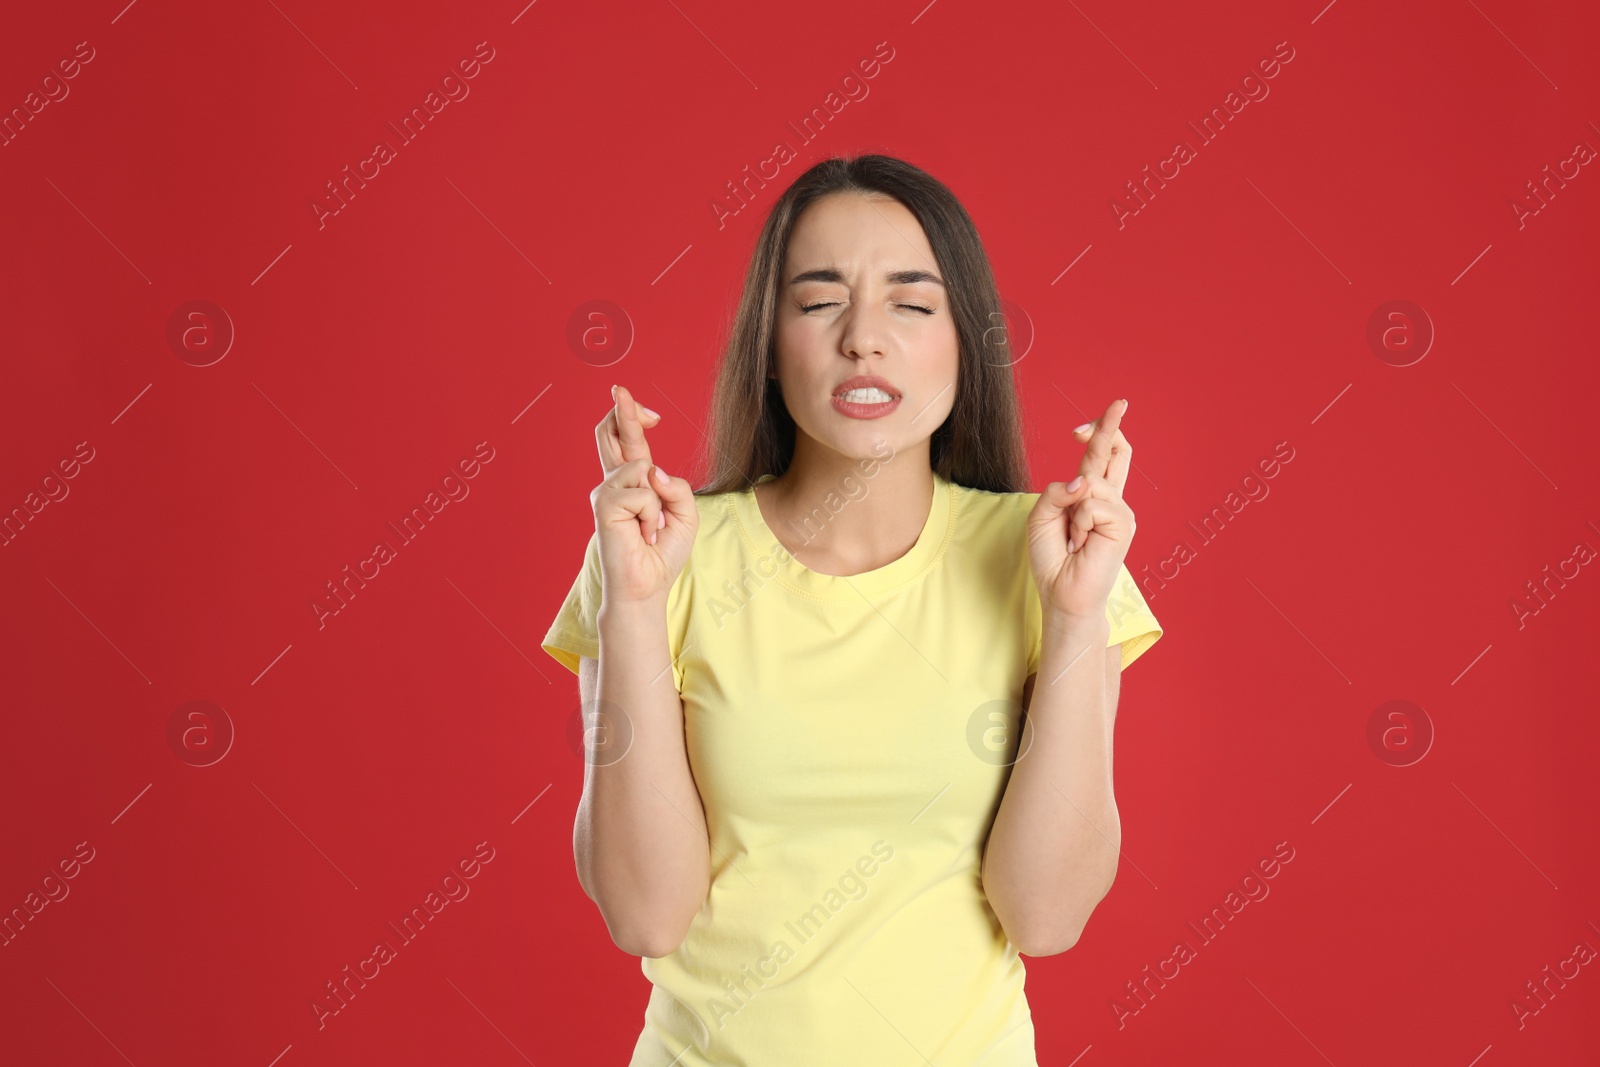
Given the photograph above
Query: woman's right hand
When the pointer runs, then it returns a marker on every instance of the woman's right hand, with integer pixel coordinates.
(646, 524)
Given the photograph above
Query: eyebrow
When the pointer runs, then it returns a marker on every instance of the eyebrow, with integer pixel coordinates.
(895, 277)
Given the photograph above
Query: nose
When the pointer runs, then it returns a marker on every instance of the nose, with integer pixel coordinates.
(864, 332)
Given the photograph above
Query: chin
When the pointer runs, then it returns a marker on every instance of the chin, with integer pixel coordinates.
(867, 443)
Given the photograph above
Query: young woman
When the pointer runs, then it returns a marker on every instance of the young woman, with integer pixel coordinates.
(811, 801)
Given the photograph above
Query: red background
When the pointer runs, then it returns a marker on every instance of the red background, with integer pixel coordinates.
(374, 748)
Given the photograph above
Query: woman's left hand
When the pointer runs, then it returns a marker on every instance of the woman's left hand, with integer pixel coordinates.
(1079, 532)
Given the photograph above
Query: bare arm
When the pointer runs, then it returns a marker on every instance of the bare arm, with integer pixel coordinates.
(1052, 853)
(1053, 848)
(640, 839)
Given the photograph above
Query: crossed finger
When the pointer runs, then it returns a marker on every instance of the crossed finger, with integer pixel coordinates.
(1108, 453)
(620, 435)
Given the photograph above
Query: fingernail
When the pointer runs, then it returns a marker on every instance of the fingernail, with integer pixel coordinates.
(1072, 486)
(661, 476)
(613, 392)
(1124, 407)
(647, 411)
(1084, 427)
(652, 538)
(1070, 549)
(661, 519)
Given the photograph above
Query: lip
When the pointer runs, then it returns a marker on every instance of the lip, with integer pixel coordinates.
(865, 411)
(867, 381)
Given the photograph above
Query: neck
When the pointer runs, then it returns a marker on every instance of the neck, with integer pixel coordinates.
(844, 515)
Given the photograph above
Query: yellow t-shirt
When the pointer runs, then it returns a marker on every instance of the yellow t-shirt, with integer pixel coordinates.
(851, 738)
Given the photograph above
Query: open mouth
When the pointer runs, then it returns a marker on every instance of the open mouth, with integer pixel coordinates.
(868, 395)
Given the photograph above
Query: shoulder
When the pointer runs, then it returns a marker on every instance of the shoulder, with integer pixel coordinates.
(982, 507)
(715, 510)
(718, 543)
(991, 530)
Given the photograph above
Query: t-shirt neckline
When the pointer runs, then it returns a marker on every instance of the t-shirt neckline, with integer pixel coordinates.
(774, 560)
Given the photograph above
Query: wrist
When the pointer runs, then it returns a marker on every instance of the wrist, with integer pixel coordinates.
(1059, 626)
(617, 613)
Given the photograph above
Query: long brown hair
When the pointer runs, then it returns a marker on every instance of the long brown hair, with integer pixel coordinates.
(979, 445)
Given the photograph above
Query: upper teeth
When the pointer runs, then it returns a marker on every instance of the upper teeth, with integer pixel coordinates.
(866, 396)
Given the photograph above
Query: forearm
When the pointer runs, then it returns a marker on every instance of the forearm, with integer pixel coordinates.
(640, 839)
(1053, 849)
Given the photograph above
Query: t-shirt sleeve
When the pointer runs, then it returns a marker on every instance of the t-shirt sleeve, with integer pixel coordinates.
(1133, 625)
(575, 631)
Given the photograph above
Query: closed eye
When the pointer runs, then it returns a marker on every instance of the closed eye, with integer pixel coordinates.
(914, 307)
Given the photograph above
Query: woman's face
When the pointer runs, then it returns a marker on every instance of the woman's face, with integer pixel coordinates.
(877, 307)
